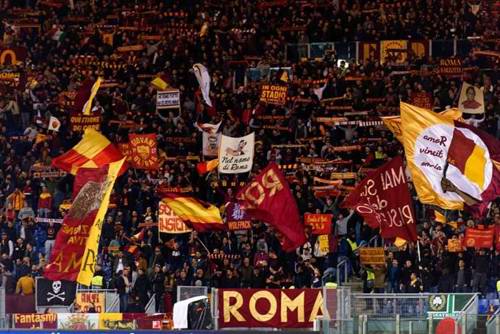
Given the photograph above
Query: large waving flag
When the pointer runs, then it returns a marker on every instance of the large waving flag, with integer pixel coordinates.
(269, 198)
(85, 96)
(451, 163)
(203, 78)
(383, 199)
(93, 151)
(76, 247)
(201, 216)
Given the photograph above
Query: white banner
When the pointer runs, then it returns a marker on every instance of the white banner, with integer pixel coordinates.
(236, 154)
(203, 78)
(167, 99)
(471, 100)
(211, 143)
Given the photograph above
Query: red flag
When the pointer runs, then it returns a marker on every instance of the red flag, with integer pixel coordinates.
(474, 169)
(384, 201)
(141, 151)
(479, 238)
(269, 198)
(73, 256)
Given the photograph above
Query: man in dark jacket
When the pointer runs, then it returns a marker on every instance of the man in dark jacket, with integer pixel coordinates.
(463, 278)
(123, 287)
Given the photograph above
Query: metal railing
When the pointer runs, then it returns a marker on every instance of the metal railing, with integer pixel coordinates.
(186, 292)
(342, 272)
(493, 323)
(151, 305)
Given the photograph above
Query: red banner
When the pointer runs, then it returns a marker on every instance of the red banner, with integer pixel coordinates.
(71, 240)
(269, 198)
(141, 151)
(80, 122)
(422, 100)
(479, 238)
(34, 320)
(384, 201)
(289, 308)
(320, 223)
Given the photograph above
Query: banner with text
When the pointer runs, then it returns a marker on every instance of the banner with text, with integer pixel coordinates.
(275, 308)
(384, 201)
(236, 154)
(274, 94)
(372, 255)
(320, 223)
(80, 122)
(169, 222)
(91, 302)
(168, 99)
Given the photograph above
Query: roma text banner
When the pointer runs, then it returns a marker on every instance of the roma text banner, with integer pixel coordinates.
(289, 308)
(236, 154)
(384, 201)
(268, 197)
(169, 222)
(479, 238)
(450, 67)
(274, 94)
(320, 223)
(372, 255)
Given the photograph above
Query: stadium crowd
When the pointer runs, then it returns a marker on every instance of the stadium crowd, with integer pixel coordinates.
(227, 38)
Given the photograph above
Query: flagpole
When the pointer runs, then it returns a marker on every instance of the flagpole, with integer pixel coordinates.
(418, 251)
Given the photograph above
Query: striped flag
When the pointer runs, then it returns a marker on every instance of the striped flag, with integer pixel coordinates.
(201, 216)
(85, 96)
(93, 151)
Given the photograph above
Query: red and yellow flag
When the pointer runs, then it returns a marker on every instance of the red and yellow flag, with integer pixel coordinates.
(85, 96)
(201, 216)
(75, 251)
(207, 166)
(451, 163)
(93, 151)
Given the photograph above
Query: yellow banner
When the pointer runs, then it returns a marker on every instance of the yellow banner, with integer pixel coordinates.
(395, 51)
(372, 255)
(90, 255)
(93, 302)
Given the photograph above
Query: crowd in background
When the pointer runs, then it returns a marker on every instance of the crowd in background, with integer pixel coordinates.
(224, 38)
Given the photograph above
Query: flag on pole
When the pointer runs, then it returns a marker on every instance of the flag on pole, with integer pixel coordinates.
(195, 213)
(203, 78)
(76, 247)
(93, 151)
(54, 124)
(85, 96)
(207, 166)
(451, 163)
(267, 197)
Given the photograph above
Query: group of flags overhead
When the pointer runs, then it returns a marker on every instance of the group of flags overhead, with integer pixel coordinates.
(452, 165)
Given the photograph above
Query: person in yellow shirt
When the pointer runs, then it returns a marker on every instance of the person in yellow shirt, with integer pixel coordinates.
(16, 200)
(26, 285)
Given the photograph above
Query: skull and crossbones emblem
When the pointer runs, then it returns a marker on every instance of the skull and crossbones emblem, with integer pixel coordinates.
(57, 293)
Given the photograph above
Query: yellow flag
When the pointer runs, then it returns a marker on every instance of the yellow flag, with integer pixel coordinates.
(426, 140)
(393, 123)
(87, 107)
(91, 247)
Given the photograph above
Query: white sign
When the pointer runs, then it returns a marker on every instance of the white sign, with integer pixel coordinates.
(236, 154)
(167, 99)
(211, 143)
(471, 99)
